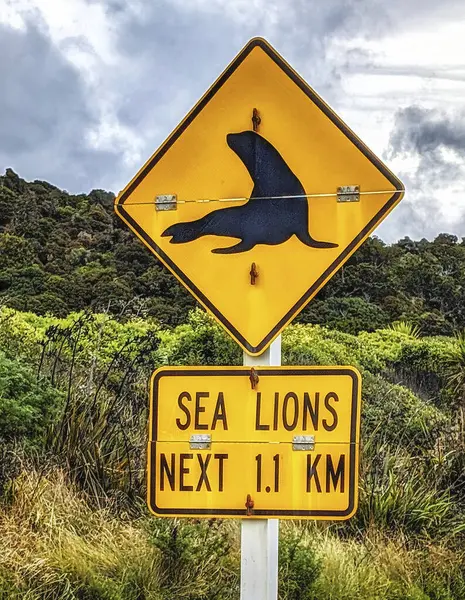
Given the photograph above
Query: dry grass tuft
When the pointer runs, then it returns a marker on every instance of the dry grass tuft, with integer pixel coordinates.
(53, 545)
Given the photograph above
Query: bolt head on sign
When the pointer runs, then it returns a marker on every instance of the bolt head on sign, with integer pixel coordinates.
(241, 203)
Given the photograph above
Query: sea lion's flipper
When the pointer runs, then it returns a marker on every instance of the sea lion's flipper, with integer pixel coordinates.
(242, 246)
(306, 238)
(184, 232)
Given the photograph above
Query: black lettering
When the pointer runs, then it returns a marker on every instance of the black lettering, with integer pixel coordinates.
(220, 412)
(312, 472)
(335, 476)
(332, 410)
(258, 425)
(258, 458)
(276, 472)
(165, 470)
(276, 409)
(184, 471)
(200, 409)
(287, 397)
(220, 458)
(203, 472)
(185, 410)
(313, 411)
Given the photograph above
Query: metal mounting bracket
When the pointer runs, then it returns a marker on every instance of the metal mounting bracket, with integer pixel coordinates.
(348, 193)
(303, 442)
(200, 441)
(166, 202)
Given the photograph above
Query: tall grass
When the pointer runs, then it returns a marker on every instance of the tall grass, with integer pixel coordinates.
(402, 493)
(54, 545)
(387, 569)
(100, 435)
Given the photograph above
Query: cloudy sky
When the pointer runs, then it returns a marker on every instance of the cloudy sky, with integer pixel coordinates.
(90, 88)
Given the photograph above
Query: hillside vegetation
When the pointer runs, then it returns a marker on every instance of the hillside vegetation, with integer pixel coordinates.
(73, 413)
(87, 313)
(61, 253)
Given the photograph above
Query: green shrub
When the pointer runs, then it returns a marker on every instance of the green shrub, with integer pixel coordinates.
(299, 566)
(199, 342)
(21, 333)
(378, 351)
(422, 365)
(198, 561)
(434, 323)
(27, 406)
(455, 370)
(15, 251)
(394, 415)
(315, 345)
(350, 315)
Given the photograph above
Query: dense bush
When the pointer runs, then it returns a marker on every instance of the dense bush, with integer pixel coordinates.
(199, 342)
(27, 407)
(61, 253)
(76, 389)
(299, 565)
(393, 414)
(350, 315)
(198, 559)
(422, 366)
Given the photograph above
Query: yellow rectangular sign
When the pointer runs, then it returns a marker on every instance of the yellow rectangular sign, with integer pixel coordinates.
(290, 442)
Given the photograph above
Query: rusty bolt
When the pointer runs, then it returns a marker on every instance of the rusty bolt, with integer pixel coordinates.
(249, 505)
(254, 378)
(253, 273)
(256, 120)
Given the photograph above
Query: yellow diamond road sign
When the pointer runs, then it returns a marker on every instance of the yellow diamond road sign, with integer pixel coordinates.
(258, 197)
(290, 444)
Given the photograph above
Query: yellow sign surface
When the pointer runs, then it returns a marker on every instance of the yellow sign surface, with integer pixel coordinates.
(291, 443)
(255, 226)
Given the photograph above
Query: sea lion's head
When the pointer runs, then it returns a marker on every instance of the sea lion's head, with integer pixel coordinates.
(245, 145)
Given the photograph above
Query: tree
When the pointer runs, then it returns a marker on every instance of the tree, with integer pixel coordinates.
(350, 315)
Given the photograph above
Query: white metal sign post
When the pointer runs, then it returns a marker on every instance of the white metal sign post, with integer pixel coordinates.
(259, 537)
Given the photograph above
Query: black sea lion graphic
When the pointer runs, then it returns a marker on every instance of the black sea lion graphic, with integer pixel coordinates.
(271, 216)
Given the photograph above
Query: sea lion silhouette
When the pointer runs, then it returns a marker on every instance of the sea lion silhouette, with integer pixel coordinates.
(265, 219)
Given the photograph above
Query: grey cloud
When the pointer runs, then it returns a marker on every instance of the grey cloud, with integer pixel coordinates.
(423, 12)
(425, 130)
(46, 114)
(378, 18)
(176, 56)
(177, 49)
(169, 53)
(360, 63)
(426, 133)
(418, 215)
(176, 52)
